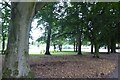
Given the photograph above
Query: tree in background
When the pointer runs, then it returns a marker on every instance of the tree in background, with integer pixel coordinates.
(5, 11)
(47, 18)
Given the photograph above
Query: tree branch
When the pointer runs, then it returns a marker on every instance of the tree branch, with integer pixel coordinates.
(39, 5)
(6, 4)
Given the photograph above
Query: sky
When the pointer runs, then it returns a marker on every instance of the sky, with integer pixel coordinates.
(36, 32)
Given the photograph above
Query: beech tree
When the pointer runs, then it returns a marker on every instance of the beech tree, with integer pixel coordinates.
(16, 55)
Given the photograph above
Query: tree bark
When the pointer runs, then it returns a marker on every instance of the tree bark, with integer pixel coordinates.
(79, 43)
(16, 58)
(113, 46)
(3, 43)
(48, 41)
(92, 47)
(3, 39)
(74, 46)
(76, 49)
(96, 54)
(108, 47)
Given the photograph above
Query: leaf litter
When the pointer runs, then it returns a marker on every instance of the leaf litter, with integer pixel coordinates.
(74, 66)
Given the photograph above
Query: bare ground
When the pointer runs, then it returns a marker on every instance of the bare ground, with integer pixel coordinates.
(74, 66)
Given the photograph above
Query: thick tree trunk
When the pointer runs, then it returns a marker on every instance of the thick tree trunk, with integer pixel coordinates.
(16, 58)
(48, 41)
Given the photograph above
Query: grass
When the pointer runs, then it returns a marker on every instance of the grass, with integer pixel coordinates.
(58, 53)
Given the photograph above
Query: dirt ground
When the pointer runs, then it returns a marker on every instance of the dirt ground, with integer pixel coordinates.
(74, 66)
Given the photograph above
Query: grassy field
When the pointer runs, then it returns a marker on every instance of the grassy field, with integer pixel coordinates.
(58, 53)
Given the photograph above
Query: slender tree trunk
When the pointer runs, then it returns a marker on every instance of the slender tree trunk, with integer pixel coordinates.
(3, 44)
(48, 41)
(76, 49)
(113, 46)
(79, 44)
(3, 39)
(54, 47)
(108, 47)
(92, 47)
(96, 54)
(16, 58)
(74, 46)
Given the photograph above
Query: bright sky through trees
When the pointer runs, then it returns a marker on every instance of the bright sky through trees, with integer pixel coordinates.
(35, 32)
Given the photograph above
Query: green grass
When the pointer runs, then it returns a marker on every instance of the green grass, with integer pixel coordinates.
(63, 53)
(58, 53)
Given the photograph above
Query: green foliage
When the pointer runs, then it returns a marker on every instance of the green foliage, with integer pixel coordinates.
(98, 22)
(5, 20)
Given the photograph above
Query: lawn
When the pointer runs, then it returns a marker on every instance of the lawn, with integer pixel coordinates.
(58, 53)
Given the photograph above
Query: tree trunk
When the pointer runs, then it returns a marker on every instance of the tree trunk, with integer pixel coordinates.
(3, 39)
(119, 47)
(76, 49)
(96, 54)
(54, 47)
(79, 43)
(74, 46)
(60, 47)
(48, 41)
(92, 48)
(16, 58)
(113, 46)
(3, 43)
(108, 47)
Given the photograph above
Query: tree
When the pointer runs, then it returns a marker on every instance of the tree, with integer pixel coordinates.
(46, 17)
(72, 26)
(5, 23)
(109, 25)
(16, 55)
